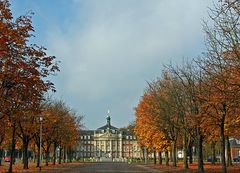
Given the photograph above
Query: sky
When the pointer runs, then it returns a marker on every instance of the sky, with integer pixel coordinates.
(110, 49)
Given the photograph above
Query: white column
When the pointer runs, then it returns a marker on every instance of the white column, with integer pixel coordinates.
(95, 148)
(120, 148)
(105, 146)
(116, 149)
(100, 148)
(111, 148)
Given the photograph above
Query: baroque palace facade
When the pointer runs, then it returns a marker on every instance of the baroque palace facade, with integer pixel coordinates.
(109, 142)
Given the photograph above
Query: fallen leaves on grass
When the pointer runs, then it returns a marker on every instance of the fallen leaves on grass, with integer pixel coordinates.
(32, 167)
(208, 167)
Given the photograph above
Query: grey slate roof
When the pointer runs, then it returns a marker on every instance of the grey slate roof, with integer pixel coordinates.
(107, 126)
(87, 132)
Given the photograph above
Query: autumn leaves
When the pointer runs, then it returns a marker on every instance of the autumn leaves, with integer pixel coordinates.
(24, 72)
(197, 101)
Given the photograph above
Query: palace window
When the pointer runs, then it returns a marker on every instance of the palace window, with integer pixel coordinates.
(237, 141)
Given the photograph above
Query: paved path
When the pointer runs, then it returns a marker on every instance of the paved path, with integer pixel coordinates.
(106, 168)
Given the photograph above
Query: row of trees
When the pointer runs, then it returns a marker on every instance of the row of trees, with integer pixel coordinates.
(198, 101)
(24, 72)
(60, 130)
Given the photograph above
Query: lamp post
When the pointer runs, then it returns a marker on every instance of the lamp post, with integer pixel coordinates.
(40, 143)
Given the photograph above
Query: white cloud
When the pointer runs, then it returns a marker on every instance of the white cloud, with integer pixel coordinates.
(112, 47)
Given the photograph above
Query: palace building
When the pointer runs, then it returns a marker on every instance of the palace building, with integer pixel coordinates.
(109, 142)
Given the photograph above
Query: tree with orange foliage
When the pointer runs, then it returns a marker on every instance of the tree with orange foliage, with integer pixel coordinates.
(166, 120)
(61, 127)
(23, 67)
(218, 110)
(3, 131)
(174, 104)
(28, 126)
(146, 128)
(191, 78)
(199, 101)
(221, 65)
(174, 107)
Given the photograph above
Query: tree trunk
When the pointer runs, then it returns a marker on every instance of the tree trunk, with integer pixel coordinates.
(166, 158)
(37, 141)
(213, 147)
(34, 155)
(64, 154)
(229, 157)
(170, 155)
(54, 153)
(155, 157)
(60, 156)
(200, 151)
(145, 155)
(185, 159)
(175, 153)
(224, 167)
(12, 151)
(25, 141)
(38, 156)
(70, 155)
(1, 156)
(160, 157)
(47, 155)
(190, 152)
